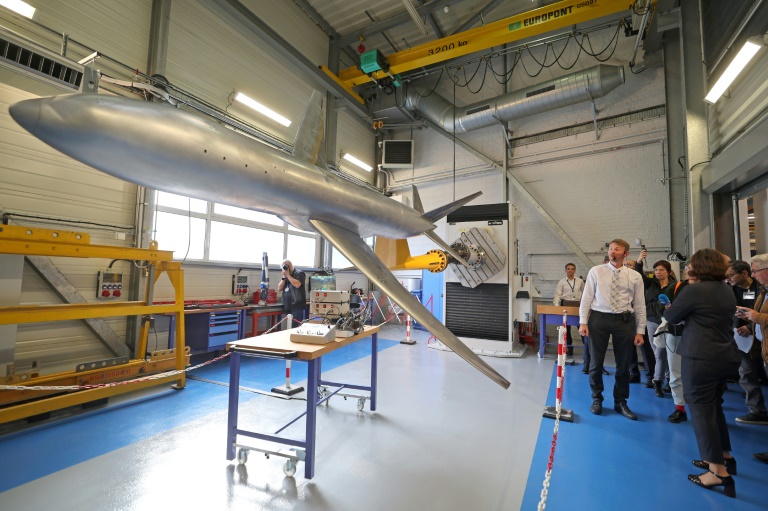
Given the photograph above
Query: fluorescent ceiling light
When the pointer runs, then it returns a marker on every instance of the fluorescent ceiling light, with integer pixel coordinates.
(737, 66)
(20, 7)
(357, 162)
(415, 16)
(242, 98)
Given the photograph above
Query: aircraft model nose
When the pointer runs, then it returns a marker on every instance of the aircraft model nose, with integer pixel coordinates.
(26, 113)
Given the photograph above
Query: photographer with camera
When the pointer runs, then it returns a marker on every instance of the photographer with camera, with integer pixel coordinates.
(294, 291)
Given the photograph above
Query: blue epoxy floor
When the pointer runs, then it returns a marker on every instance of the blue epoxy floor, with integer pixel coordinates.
(610, 462)
(443, 438)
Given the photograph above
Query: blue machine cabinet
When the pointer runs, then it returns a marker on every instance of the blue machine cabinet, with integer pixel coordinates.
(210, 329)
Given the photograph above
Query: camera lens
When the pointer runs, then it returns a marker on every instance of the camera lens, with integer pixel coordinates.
(285, 266)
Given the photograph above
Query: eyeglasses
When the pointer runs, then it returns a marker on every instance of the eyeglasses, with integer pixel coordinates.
(758, 270)
(730, 275)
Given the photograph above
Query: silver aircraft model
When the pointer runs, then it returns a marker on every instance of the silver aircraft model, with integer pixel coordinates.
(168, 149)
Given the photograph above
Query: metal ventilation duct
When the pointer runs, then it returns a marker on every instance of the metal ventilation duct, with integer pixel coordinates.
(585, 85)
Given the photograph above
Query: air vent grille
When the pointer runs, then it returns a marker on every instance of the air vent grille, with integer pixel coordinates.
(397, 154)
(39, 64)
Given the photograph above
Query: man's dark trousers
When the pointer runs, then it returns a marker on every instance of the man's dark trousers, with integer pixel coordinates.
(602, 326)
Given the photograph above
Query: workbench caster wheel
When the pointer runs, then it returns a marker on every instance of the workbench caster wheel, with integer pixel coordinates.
(242, 456)
(289, 468)
(360, 404)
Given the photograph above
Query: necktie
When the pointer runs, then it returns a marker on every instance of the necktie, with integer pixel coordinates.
(615, 291)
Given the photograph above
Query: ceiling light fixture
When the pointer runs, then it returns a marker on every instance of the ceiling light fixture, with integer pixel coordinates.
(19, 7)
(242, 98)
(750, 48)
(415, 16)
(357, 162)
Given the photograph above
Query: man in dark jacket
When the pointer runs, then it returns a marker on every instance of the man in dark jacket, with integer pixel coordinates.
(294, 291)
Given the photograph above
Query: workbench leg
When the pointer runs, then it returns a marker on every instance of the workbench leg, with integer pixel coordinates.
(374, 368)
(542, 333)
(234, 402)
(313, 381)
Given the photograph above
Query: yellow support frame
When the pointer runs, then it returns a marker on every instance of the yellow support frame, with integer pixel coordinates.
(515, 28)
(53, 243)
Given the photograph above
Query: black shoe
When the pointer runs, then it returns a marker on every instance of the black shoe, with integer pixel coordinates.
(752, 418)
(730, 465)
(634, 378)
(727, 482)
(666, 388)
(657, 389)
(762, 456)
(584, 370)
(605, 371)
(676, 417)
(649, 382)
(597, 407)
(623, 409)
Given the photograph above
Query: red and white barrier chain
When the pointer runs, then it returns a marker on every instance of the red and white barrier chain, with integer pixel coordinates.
(125, 382)
(561, 350)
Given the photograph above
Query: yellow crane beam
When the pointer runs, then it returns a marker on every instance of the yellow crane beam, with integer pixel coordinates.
(521, 26)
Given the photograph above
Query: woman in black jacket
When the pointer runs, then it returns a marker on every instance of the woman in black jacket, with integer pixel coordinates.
(662, 282)
(709, 355)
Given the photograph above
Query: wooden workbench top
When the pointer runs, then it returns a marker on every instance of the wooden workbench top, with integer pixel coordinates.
(280, 343)
(557, 309)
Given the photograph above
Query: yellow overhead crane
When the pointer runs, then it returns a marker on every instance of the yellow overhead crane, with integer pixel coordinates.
(521, 26)
(18, 404)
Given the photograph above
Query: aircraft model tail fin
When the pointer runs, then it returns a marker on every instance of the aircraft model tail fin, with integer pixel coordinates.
(436, 214)
(417, 200)
(308, 144)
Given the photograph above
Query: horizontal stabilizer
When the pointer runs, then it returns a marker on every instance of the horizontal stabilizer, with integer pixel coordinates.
(437, 214)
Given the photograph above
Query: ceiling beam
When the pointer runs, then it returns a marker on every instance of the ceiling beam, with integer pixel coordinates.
(514, 28)
(394, 21)
(242, 16)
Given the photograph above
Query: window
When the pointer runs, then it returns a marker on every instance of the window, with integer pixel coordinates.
(231, 234)
(339, 262)
(173, 233)
(246, 214)
(240, 244)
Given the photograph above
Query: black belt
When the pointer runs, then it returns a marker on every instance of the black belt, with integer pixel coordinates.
(612, 313)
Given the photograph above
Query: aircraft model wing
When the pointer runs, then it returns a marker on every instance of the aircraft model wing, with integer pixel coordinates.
(361, 255)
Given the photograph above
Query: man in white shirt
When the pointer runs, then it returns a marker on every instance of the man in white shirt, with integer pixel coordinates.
(612, 306)
(570, 289)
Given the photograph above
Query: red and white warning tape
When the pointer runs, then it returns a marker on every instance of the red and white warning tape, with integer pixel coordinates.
(125, 382)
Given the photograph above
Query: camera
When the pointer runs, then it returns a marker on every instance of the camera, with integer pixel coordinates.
(285, 267)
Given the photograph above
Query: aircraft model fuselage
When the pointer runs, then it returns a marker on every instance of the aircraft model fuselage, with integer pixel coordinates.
(165, 148)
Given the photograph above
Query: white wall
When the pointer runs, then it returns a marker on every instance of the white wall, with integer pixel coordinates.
(596, 190)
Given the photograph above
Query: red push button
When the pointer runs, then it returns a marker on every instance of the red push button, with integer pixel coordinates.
(105, 293)
(117, 293)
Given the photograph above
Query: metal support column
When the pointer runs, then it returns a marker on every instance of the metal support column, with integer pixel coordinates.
(677, 182)
(696, 134)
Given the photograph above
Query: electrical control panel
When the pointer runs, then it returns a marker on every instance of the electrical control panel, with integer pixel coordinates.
(109, 284)
(326, 303)
(313, 333)
(240, 284)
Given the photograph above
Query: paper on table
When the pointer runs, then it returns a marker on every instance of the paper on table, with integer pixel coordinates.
(744, 343)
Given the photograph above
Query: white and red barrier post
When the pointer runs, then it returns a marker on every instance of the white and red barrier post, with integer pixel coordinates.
(286, 389)
(408, 339)
(556, 412)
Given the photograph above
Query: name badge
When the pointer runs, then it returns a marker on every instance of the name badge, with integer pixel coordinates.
(748, 295)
